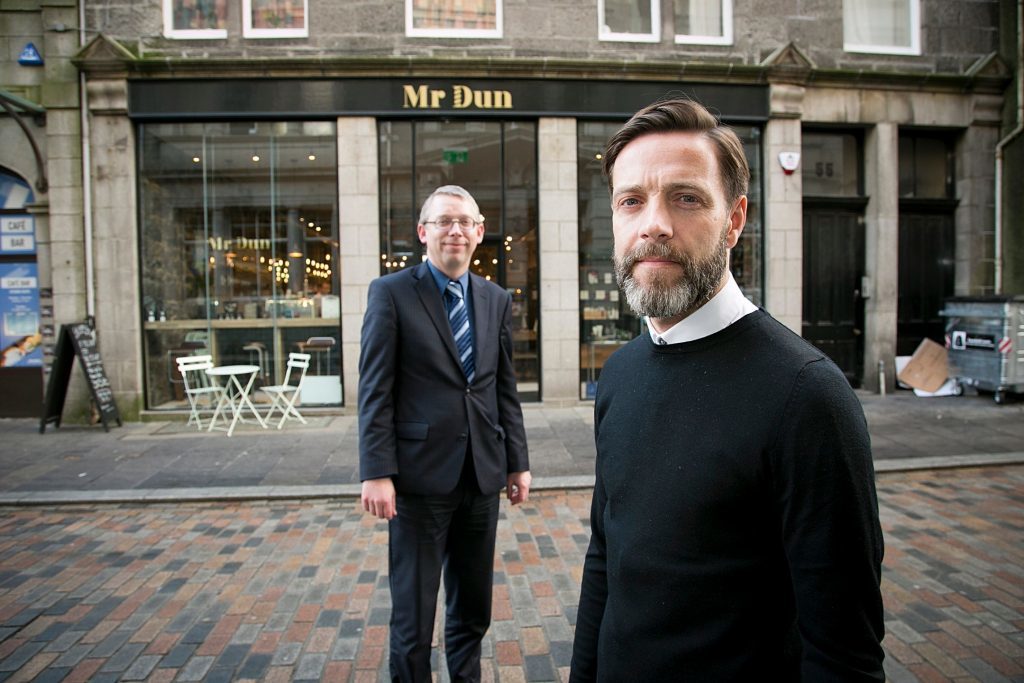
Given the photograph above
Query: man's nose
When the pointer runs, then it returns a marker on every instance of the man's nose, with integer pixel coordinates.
(657, 223)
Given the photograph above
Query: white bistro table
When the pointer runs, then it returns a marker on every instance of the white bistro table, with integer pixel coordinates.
(234, 396)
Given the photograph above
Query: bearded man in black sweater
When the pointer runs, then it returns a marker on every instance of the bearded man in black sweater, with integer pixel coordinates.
(735, 532)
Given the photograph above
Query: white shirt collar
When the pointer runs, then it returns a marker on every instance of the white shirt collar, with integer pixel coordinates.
(724, 308)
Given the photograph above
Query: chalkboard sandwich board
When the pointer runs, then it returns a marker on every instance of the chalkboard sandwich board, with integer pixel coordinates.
(78, 339)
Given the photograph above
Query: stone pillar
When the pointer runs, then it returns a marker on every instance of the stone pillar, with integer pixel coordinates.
(881, 252)
(559, 261)
(115, 241)
(975, 186)
(783, 229)
(61, 244)
(359, 234)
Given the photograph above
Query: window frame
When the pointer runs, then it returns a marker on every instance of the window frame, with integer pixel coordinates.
(497, 32)
(249, 32)
(188, 34)
(914, 49)
(610, 36)
(727, 29)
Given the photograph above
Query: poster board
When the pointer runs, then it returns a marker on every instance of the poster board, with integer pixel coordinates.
(78, 340)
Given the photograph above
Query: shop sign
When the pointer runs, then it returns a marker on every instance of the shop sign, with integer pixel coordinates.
(20, 337)
(17, 234)
(462, 97)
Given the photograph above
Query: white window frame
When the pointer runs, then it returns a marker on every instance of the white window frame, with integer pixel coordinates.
(188, 34)
(249, 32)
(727, 34)
(497, 32)
(914, 7)
(653, 37)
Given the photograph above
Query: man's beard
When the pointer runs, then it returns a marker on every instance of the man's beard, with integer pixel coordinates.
(671, 294)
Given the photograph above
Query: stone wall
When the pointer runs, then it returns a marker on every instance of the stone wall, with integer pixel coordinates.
(954, 34)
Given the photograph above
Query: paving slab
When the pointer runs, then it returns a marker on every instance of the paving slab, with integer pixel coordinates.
(296, 589)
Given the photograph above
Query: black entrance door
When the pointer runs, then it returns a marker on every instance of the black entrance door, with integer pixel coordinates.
(926, 276)
(833, 308)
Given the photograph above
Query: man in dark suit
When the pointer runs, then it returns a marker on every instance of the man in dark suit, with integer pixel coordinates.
(440, 434)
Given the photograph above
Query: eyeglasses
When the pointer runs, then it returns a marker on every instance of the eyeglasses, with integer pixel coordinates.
(446, 222)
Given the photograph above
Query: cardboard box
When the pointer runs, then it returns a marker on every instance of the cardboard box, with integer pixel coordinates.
(927, 369)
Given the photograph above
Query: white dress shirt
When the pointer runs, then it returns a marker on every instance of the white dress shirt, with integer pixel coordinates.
(724, 308)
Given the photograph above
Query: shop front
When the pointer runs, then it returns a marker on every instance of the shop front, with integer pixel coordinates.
(257, 236)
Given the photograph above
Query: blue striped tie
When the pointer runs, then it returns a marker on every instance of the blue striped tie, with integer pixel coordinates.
(458, 317)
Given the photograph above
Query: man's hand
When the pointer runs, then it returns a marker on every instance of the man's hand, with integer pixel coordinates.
(519, 487)
(379, 497)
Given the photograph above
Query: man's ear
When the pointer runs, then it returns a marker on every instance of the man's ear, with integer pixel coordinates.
(737, 221)
(421, 232)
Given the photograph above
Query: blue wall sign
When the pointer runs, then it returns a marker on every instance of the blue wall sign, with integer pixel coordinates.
(30, 56)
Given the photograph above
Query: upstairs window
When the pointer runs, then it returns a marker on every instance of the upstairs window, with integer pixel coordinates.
(636, 21)
(195, 19)
(882, 26)
(275, 18)
(453, 18)
(703, 22)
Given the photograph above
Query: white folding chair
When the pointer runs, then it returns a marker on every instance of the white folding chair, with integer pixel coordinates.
(285, 395)
(198, 385)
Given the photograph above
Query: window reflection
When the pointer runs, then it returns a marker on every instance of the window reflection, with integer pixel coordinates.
(496, 162)
(239, 246)
(606, 321)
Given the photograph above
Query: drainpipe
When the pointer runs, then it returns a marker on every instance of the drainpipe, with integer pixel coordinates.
(1001, 145)
(90, 289)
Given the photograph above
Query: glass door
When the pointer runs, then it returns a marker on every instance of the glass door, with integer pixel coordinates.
(496, 161)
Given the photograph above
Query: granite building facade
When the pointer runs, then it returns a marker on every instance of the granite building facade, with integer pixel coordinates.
(253, 164)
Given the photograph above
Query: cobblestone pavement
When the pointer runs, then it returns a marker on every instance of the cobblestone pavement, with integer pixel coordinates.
(295, 590)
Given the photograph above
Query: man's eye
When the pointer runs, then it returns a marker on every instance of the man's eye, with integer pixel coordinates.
(630, 201)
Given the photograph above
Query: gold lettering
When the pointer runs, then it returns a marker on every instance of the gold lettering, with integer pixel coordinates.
(482, 99)
(462, 96)
(414, 98)
(502, 99)
(435, 98)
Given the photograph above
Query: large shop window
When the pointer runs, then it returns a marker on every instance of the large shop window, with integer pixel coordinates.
(239, 224)
(606, 321)
(497, 162)
(890, 27)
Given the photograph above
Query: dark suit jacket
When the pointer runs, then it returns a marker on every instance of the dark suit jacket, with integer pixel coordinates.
(416, 410)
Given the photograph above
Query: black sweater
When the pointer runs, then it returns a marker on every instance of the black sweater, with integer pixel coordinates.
(735, 531)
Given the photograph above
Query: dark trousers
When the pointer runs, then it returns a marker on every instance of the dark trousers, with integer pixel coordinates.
(454, 534)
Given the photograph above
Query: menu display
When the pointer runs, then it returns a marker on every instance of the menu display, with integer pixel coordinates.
(78, 339)
(20, 336)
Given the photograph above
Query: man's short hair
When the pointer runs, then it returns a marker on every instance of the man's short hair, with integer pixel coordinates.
(682, 115)
(453, 190)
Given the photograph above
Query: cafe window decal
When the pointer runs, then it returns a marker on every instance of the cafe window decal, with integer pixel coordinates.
(195, 19)
(275, 18)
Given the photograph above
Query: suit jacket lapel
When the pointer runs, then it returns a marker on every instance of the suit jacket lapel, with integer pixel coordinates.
(433, 303)
(482, 317)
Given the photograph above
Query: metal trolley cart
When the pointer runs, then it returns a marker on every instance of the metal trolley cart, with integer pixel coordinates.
(985, 337)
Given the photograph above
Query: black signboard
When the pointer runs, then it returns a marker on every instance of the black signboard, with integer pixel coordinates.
(78, 339)
(414, 97)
